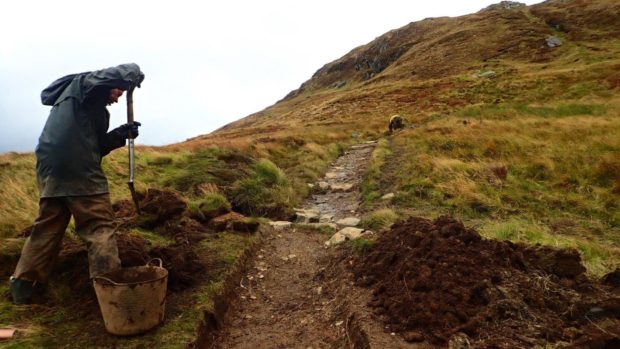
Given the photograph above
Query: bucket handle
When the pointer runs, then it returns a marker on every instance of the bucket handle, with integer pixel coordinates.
(161, 263)
(105, 279)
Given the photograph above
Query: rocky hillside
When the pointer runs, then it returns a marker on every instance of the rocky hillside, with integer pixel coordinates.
(443, 64)
(436, 48)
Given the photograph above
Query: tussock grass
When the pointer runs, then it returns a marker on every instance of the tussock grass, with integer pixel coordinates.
(380, 219)
(361, 246)
(19, 193)
(265, 192)
(194, 169)
(269, 174)
(370, 185)
(210, 205)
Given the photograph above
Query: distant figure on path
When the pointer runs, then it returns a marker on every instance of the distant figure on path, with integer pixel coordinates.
(396, 122)
(69, 175)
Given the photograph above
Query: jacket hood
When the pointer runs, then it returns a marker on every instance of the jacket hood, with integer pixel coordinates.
(50, 94)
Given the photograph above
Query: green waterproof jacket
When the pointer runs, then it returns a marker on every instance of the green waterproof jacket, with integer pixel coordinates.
(75, 137)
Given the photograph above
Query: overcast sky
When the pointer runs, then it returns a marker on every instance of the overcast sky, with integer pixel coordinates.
(206, 63)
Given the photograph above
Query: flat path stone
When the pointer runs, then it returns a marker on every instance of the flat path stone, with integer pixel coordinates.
(387, 196)
(306, 216)
(348, 233)
(278, 225)
(337, 188)
(349, 221)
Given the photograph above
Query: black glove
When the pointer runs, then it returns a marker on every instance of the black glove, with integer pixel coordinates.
(127, 131)
(139, 80)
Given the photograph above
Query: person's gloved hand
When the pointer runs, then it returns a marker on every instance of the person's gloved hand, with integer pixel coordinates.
(127, 131)
(138, 82)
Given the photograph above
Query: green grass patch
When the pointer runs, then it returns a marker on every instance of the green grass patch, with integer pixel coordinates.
(210, 205)
(266, 192)
(372, 178)
(510, 111)
(598, 257)
(379, 219)
(361, 246)
(153, 238)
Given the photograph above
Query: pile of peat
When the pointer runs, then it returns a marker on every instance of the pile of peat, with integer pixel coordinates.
(437, 281)
(163, 213)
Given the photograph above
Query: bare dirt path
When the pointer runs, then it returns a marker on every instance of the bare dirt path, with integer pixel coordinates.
(283, 302)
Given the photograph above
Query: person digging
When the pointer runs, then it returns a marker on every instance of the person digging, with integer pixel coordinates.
(69, 175)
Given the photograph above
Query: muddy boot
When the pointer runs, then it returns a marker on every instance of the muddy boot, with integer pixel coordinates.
(25, 291)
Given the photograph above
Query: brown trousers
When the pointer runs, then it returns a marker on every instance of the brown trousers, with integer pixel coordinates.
(93, 223)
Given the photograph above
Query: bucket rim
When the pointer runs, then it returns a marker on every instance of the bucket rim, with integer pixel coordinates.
(111, 282)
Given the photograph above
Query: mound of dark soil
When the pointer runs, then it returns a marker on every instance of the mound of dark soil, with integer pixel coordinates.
(183, 264)
(73, 259)
(124, 209)
(162, 203)
(612, 279)
(157, 206)
(184, 267)
(438, 278)
(132, 250)
(183, 230)
(162, 212)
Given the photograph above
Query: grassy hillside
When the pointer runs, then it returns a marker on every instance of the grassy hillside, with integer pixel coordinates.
(506, 131)
(432, 66)
(550, 175)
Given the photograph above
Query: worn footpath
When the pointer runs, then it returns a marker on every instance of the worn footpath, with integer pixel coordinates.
(282, 299)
